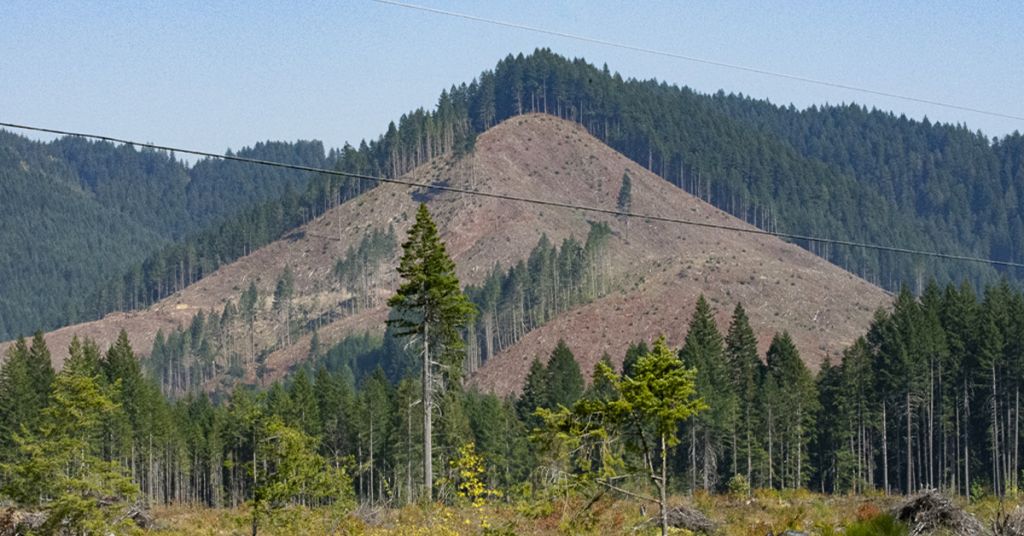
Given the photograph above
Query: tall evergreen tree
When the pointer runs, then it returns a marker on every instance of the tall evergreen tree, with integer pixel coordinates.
(795, 404)
(746, 370)
(564, 380)
(25, 382)
(625, 199)
(535, 394)
(431, 307)
(711, 431)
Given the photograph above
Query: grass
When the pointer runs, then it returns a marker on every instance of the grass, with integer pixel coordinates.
(764, 511)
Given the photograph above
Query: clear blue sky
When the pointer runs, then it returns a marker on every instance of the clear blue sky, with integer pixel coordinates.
(212, 75)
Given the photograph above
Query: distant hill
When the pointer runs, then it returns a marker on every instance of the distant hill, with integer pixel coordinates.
(837, 171)
(75, 213)
(642, 280)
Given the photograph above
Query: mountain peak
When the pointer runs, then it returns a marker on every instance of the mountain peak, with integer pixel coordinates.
(651, 272)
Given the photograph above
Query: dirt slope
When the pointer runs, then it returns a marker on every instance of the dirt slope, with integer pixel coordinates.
(659, 268)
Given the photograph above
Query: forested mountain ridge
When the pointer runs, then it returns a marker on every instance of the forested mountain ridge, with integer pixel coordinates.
(963, 185)
(752, 159)
(57, 238)
(77, 212)
(528, 268)
(857, 175)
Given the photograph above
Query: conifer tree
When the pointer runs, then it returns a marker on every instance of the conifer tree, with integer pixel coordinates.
(374, 417)
(746, 370)
(660, 397)
(856, 406)
(535, 394)
(564, 380)
(248, 307)
(633, 353)
(795, 404)
(26, 377)
(335, 401)
(625, 198)
(600, 388)
(431, 307)
(305, 411)
(60, 469)
(283, 294)
(703, 350)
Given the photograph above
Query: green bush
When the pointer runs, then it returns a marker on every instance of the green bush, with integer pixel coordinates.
(883, 525)
(738, 486)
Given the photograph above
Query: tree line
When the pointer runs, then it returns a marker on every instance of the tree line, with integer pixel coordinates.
(928, 397)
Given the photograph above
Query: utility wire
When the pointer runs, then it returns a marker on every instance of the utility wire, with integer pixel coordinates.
(705, 61)
(520, 199)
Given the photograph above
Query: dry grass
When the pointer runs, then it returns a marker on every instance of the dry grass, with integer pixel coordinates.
(763, 512)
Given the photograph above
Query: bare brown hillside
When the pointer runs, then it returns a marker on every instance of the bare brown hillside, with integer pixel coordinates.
(658, 269)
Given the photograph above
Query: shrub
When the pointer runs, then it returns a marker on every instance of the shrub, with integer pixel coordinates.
(738, 486)
(882, 525)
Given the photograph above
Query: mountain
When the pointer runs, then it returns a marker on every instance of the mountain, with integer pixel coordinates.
(77, 213)
(856, 174)
(641, 280)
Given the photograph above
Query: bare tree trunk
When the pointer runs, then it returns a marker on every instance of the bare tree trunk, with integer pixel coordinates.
(371, 458)
(771, 462)
(931, 427)
(799, 482)
(910, 453)
(662, 488)
(885, 453)
(967, 447)
(693, 456)
(428, 406)
(408, 452)
(995, 435)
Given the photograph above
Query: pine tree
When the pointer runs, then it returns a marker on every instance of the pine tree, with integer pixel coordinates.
(625, 198)
(856, 406)
(564, 380)
(305, 411)
(633, 353)
(60, 469)
(703, 350)
(335, 402)
(535, 394)
(283, 293)
(795, 405)
(600, 388)
(746, 370)
(661, 396)
(248, 307)
(431, 307)
(24, 392)
(374, 416)
(40, 366)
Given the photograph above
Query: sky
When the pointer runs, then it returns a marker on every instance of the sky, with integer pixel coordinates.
(213, 75)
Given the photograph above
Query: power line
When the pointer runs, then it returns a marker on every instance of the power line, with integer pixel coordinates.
(520, 199)
(716, 63)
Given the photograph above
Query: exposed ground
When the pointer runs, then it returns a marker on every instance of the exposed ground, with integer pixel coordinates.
(658, 268)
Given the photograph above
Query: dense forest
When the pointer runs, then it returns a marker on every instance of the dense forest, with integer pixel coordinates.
(929, 397)
(857, 174)
(79, 214)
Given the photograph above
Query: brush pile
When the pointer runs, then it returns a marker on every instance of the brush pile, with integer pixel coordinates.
(930, 511)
